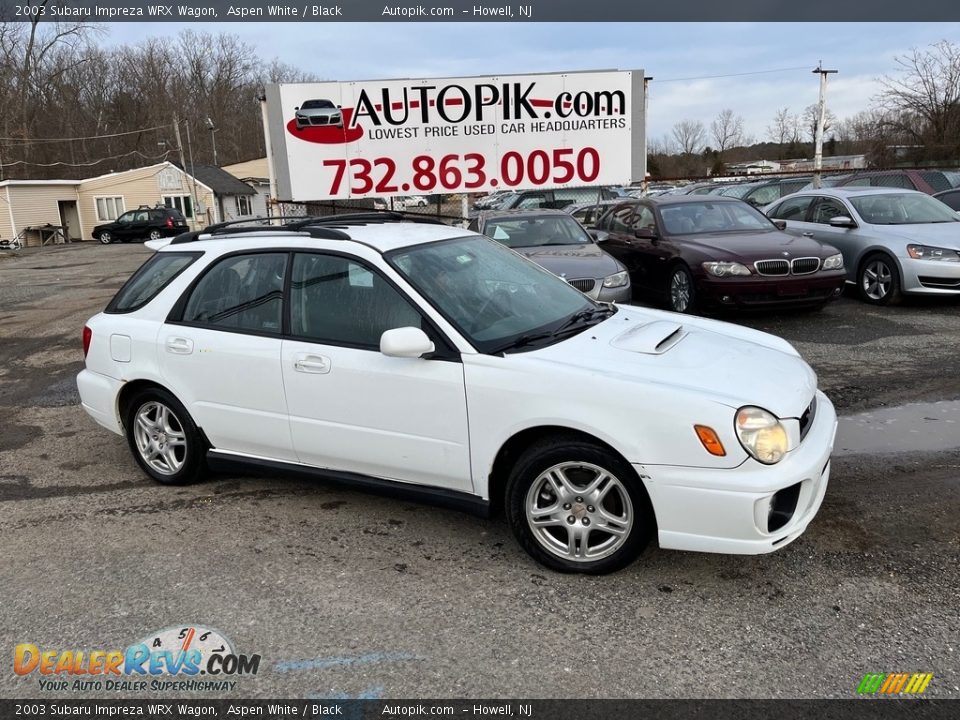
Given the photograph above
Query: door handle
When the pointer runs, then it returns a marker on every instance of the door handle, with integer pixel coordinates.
(807, 234)
(316, 364)
(179, 345)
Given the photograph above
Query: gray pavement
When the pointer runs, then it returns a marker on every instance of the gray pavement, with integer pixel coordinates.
(346, 594)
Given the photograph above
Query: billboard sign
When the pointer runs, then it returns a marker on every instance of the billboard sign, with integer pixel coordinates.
(335, 140)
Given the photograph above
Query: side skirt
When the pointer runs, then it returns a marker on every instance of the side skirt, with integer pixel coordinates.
(442, 497)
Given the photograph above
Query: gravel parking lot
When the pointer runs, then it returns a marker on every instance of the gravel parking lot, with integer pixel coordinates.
(347, 594)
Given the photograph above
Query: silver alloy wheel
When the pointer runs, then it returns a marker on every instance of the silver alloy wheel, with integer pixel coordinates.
(154, 234)
(105, 238)
(579, 511)
(161, 441)
(680, 291)
(877, 279)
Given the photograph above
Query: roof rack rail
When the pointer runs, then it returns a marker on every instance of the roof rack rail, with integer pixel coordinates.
(321, 227)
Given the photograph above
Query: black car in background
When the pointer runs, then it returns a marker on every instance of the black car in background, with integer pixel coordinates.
(144, 223)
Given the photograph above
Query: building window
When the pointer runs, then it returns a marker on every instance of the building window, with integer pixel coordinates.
(243, 206)
(109, 208)
(181, 203)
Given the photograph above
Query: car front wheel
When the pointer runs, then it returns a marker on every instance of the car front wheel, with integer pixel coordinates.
(879, 280)
(576, 507)
(163, 438)
(105, 237)
(682, 294)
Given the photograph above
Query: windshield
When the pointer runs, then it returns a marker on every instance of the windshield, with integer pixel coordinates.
(902, 209)
(493, 296)
(737, 191)
(317, 105)
(708, 217)
(533, 231)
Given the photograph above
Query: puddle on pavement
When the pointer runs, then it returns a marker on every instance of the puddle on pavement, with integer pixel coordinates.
(917, 427)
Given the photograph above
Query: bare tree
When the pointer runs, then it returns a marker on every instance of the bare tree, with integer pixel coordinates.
(810, 121)
(779, 131)
(689, 136)
(923, 98)
(727, 131)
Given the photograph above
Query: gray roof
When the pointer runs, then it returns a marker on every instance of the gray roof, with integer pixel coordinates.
(218, 180)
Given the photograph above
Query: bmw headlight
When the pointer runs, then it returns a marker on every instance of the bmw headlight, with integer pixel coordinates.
(834, 262)
(926, 252)
(761, 434)
(616, 280)
(725, 269)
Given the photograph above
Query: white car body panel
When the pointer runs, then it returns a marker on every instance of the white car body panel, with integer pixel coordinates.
(441, 423)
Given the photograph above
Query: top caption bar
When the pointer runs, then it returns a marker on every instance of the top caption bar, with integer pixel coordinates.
(478, 11)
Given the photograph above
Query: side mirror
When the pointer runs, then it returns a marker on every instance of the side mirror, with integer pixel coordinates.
(842, 221)
(598, 235)
(297, 108)
(780, 224)
(645, 233)
(406, 342)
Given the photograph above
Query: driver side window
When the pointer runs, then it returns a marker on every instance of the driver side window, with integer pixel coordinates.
(643, 219)
(826, 209)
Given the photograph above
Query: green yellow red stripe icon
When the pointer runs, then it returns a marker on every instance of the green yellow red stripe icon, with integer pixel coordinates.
(894, 683)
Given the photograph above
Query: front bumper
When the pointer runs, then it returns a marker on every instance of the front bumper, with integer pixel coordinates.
(98, 396)
(769, 291)
(622, 294)
(930, 277)
(725, 511)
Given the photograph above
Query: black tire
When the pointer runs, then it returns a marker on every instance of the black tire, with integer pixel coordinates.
(189, 465)
(527, 478)
(680, 274)
(105, 237)
(878, 280)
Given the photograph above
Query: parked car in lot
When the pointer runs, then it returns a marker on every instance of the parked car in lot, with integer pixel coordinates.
(761, 194)
(589, 212)
(144, 223)
(893, 241)
(926, 181)
(558, 243)
(554, 199)
(435, 363)
(950, 198)
(699, 252)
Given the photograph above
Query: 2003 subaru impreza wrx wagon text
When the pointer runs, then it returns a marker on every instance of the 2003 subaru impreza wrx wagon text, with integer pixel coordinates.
(416, 357)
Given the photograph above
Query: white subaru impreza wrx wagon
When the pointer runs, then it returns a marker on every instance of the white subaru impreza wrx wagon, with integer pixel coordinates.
(416, 358)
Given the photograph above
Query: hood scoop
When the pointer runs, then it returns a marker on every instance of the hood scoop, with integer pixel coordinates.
(653, 338)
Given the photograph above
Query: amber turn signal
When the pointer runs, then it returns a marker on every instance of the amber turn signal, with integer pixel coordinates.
(710, 440)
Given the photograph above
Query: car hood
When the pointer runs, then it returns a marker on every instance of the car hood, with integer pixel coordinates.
(939, 234)
(573, 261)
(748, 247)
(736, 366)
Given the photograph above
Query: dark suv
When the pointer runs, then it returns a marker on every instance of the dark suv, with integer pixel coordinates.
(144, 223)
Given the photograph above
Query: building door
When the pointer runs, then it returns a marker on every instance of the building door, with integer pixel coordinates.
(70, 220)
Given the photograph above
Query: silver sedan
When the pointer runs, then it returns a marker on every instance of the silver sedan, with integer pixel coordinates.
(318, 112)
(893, 241)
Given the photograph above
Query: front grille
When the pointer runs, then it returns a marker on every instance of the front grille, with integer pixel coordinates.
(806, 420)
(772, 267)
(320, 120)
(940, 282)
(805, 266)
(583, 286)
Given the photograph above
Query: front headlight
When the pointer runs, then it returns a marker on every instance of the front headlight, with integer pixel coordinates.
(925, 252)
(616, 280)
(725, 269)
(761, 434)
(834, 262)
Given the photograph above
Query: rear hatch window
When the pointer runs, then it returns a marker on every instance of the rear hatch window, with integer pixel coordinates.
(152, 277)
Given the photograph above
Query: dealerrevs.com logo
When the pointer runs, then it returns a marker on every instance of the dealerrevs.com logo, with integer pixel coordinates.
(894, 683)
(190, 658)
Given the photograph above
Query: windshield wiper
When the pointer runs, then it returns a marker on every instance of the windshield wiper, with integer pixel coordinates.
(575, 323)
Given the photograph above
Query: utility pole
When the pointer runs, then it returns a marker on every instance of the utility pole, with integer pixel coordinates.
(645, 185)
(213, 139)
(183, 166)
(821, 116)
(193, 174)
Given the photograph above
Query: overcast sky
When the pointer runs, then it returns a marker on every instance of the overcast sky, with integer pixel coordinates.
(361, 51)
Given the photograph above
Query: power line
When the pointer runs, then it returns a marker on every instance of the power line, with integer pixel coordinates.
(34, 141)
(88, 164)
(713, 77)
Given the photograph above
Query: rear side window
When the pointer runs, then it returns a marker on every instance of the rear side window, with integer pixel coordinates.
(152, 277)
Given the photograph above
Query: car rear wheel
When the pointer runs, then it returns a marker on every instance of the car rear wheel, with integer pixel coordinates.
(154, 235)
(682, 295)
(163, 438)
(879, 280)
(105, 237)
(574, 506)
